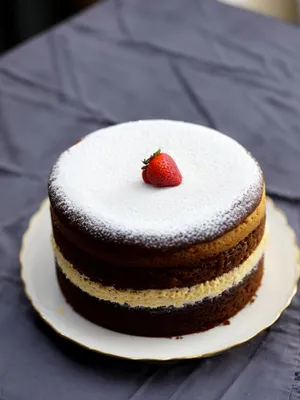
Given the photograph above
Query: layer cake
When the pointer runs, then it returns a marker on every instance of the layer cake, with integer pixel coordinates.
(155, 261)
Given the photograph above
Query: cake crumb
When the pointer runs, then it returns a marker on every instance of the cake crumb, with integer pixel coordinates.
(60, 310)
(176, 337)
(227, 322)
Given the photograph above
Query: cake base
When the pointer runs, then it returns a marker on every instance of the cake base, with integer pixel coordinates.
(162, 321)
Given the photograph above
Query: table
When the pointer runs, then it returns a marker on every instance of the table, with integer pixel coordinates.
(206, 63)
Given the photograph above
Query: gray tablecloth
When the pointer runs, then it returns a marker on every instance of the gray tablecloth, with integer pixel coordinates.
(122, 60)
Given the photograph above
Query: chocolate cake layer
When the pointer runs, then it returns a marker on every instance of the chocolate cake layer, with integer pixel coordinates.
(137, 255)
(158, 258)
(124, 277)
(163, 321)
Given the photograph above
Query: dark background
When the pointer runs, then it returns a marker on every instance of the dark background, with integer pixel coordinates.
(20, 19)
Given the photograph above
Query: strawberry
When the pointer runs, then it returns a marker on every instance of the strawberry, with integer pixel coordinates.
(161, 170)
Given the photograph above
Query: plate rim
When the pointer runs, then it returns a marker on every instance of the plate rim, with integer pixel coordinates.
(140, 358)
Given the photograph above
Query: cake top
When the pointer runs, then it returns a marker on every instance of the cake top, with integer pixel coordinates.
(97, 184)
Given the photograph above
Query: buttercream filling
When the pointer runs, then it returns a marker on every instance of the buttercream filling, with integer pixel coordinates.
(153, 298)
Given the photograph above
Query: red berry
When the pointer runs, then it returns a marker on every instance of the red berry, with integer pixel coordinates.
(161, 170)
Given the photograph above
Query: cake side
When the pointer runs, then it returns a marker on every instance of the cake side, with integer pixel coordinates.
(139, 256)
(161, 297)
(164, 321)
(190, 272)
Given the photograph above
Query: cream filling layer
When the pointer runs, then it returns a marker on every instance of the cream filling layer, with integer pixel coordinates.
(154, 298)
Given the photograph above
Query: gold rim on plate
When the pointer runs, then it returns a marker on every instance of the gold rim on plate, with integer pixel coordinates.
(297, 261)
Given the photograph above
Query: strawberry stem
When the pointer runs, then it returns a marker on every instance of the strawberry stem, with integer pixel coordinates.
(147, 161)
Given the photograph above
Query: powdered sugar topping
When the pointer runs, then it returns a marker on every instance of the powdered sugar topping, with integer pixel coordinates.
(98, 182)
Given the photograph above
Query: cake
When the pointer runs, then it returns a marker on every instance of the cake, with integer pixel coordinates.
(150, 261)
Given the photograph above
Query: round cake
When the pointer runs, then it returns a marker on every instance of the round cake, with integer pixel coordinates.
(158, 261)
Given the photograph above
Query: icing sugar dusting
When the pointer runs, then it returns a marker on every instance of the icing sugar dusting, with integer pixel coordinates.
(98, 182)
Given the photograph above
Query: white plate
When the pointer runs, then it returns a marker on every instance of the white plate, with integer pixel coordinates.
(275, 294)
